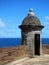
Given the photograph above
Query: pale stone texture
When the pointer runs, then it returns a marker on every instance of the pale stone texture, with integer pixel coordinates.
(42, 60)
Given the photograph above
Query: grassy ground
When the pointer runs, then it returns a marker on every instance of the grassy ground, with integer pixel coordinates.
(15, 53)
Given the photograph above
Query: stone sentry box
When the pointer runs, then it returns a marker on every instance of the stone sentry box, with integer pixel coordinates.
(31, 34)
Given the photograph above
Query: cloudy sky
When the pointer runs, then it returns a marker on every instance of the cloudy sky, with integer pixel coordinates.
(12, 13)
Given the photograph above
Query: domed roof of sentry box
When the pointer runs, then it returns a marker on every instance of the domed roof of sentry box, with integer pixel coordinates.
(31, 19)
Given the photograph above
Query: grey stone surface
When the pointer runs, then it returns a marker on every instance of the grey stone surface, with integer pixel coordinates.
(32, 20)
(31, 25)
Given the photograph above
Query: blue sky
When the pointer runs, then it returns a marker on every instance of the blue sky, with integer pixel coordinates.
(12, 13)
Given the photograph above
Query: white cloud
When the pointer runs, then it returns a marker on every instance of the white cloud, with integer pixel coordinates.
(47, 17)
(8, 33)
(10, 30)
(1, 23)
(46, 23)
(1, 32)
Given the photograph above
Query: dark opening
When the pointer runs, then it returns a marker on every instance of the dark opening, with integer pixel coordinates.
(37, 44)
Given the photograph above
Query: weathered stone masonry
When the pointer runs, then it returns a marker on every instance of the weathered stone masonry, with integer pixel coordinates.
(31, 34)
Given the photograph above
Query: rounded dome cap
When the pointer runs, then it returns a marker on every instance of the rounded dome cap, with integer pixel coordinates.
(31, 19)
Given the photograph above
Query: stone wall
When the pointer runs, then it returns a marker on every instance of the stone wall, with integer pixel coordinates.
(28, 37)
